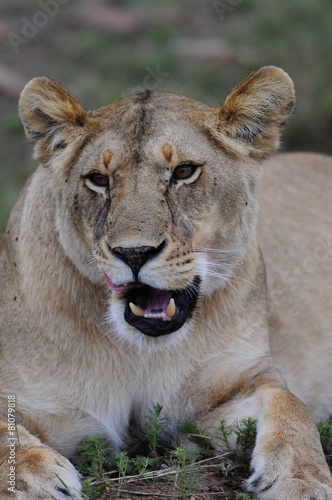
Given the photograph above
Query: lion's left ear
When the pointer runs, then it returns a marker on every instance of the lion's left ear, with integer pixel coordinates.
(51, 116)
(256, 110)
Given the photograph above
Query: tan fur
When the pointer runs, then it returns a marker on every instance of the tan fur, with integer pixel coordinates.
(77, 367)
(297, 226)
(167, 151)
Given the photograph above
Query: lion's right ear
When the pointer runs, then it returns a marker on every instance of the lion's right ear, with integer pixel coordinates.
(250, 121)
(51, 117)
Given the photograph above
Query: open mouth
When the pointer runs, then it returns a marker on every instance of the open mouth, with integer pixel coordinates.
(156, 312)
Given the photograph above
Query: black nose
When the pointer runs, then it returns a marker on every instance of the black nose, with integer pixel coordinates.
(136, 257)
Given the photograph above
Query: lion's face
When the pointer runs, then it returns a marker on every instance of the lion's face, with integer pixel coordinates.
(156, 194)
(168, 214)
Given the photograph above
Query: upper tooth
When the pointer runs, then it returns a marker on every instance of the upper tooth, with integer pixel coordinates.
(170, 309)
(136, 310)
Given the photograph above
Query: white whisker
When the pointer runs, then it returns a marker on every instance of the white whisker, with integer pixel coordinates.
(220, 264)
(218, 250)
(214, 274)
(238, 279)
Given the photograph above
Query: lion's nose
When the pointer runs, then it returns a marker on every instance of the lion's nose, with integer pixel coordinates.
(136, 257)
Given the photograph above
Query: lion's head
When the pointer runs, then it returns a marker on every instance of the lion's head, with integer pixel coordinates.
(156, 194)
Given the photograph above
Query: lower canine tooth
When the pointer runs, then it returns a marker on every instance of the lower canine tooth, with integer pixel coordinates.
(136, 310)
(170, 309)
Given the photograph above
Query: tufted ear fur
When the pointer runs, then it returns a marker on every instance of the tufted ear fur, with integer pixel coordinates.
(51, 117)
(256, 110)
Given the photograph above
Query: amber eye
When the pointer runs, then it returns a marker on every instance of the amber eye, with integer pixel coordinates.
(98, 179)
(184, 171)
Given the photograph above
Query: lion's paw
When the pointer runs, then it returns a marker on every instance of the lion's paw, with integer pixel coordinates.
(41, 472)
(269, 482)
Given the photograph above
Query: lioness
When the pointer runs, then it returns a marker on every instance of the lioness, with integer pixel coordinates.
(131, 275)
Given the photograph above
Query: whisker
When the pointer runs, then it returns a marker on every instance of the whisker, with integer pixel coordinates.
(218, 250)
(235, 278)
(220, 263)
(224, 265)
(238, 279)
(214, 274)
(192, 290)
(229, 283)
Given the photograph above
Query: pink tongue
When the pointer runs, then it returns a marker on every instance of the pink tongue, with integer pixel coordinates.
(158, 301)
(121, 288)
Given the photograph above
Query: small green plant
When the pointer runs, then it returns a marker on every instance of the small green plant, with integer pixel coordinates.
(87, 490)
(155, 424)
(141, 464)
(187, 475)
(124, 466)
(245, 436)
(123, 463)
(92, 491)
(225, 432)
(95, 453)
(246, 432)
(325, 432)
(244, 496)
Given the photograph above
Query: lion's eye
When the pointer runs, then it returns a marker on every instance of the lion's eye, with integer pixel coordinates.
(184, 171)
(98, 179)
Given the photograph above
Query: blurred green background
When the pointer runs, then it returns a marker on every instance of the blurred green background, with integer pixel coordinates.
(102, 50)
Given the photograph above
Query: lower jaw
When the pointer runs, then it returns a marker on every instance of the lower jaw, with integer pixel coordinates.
(154, 327)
